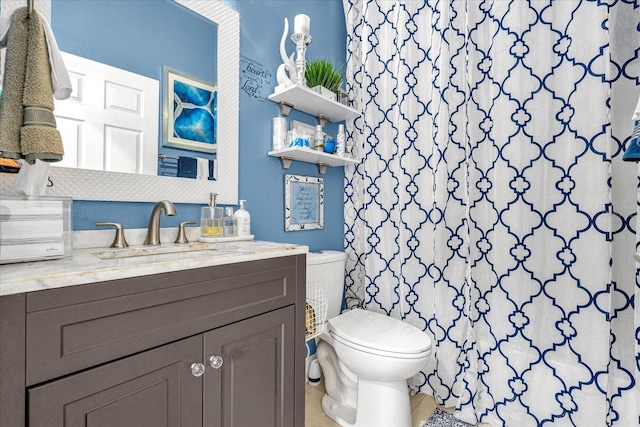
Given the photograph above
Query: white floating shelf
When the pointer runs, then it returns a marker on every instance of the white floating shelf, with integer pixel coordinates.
(321, 159)
(308, 101)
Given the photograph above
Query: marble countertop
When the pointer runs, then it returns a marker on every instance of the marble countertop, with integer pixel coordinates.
(100, 264)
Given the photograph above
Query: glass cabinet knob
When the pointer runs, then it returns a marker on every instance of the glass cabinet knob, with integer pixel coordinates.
(197, 369)
(216, 362)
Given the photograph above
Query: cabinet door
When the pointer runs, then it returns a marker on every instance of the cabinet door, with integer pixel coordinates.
(254, 386)
(155, 388)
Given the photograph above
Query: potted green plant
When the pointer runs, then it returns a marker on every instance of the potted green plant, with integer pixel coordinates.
(323, 77)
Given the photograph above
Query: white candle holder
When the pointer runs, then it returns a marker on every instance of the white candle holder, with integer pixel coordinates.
(301, 40)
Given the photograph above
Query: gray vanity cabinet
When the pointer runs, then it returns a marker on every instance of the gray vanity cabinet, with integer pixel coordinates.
(214, 346)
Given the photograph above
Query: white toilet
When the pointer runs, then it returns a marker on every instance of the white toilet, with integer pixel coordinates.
(366, 357)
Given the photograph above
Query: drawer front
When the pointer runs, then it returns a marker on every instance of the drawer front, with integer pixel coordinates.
(136, 314)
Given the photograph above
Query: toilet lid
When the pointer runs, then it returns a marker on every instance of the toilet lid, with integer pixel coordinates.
(379, 332)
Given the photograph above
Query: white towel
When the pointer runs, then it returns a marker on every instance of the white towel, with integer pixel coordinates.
(59, 75)
(60, 81)
(203, 168)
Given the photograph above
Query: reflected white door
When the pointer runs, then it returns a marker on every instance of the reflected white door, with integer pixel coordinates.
(110, 122)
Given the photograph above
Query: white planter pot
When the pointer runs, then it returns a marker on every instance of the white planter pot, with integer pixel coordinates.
(325, 92)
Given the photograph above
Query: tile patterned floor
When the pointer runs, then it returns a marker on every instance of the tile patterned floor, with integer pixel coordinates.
(422, 406)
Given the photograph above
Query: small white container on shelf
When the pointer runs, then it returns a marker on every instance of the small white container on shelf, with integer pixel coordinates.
(279, 136)
(340, 141)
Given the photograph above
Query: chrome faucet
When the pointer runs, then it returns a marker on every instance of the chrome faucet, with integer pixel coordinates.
(153, 231)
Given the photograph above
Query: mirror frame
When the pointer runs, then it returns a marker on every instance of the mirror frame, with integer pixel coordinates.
(84, 184)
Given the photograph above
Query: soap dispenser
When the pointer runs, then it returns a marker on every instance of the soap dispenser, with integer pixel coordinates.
(229, 223)
(244, 220)
(211, 220)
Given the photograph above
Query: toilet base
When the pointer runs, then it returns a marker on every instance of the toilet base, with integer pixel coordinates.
(343, 414)
(380, 404)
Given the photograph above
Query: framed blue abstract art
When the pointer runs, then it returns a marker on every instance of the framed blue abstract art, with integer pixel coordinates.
(303, 203)
(189, 116)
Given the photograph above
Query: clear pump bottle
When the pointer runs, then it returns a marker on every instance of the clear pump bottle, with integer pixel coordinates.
(318, 142)
(229, 223)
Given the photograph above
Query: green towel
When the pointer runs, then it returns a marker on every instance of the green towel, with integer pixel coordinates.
(13, 86)
(37, 136)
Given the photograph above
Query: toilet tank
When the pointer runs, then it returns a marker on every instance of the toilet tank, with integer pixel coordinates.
(326, 268)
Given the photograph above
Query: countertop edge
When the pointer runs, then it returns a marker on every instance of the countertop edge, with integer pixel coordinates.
(84, 267)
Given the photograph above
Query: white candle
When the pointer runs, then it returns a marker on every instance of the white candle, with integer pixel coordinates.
(301, 24)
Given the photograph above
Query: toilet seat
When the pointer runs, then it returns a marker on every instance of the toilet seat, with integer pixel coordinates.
(376, 333)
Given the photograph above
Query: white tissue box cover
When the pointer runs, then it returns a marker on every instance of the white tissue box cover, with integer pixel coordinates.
(32, 230)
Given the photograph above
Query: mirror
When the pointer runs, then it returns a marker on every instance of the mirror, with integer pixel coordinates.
(116, 186)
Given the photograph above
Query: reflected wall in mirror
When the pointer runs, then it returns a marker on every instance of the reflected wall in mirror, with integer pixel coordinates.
(100, 185)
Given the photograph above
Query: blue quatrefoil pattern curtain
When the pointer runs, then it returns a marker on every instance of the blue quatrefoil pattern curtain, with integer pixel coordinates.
(491, 208)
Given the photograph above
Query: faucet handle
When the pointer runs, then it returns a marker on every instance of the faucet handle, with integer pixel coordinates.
(119, 241)
(182, 236)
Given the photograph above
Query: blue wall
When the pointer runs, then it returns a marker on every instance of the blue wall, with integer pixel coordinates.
(261, 177)
(117, 33)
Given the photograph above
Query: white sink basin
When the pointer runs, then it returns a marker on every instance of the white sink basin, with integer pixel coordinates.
(164, 249)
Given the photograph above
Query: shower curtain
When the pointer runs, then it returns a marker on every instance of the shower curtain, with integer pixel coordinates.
(491, 208)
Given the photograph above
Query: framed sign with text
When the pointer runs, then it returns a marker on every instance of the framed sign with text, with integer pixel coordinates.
(304, 203)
